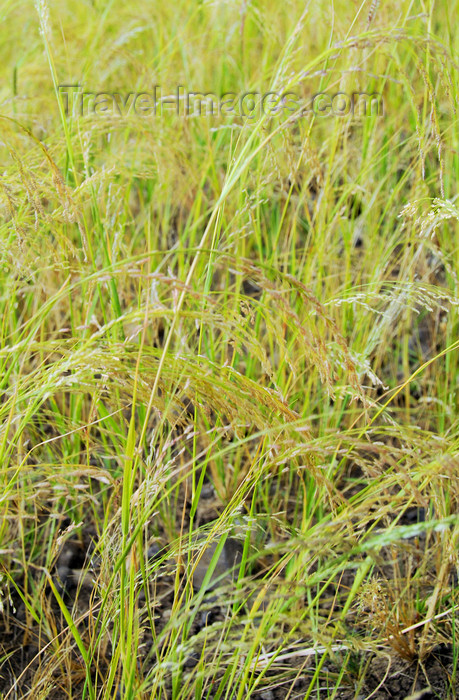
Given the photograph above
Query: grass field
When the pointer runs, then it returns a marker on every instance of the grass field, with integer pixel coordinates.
(229, 350)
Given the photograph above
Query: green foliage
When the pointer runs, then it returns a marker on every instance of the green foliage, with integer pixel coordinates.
(263, 309)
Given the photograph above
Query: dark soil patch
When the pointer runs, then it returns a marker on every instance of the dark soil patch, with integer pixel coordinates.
(393, 678)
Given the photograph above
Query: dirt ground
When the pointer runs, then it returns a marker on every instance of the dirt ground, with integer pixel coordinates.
(25, 655)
